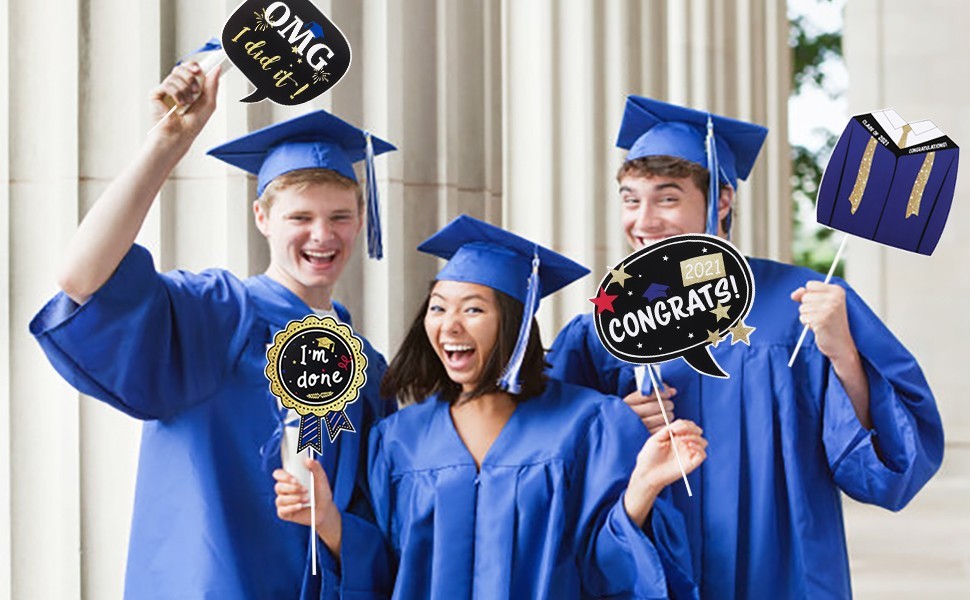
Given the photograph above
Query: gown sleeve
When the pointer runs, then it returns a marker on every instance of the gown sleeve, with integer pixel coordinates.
(888, 465)
(151, 345)
(573, 360)
(617, 559)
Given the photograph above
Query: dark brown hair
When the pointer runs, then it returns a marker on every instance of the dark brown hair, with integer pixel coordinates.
(416, 372)
(671, 166)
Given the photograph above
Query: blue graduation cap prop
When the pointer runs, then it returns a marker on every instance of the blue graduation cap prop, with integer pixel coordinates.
(316, 140)
(478, 252)
(726, 147)
(889, 181)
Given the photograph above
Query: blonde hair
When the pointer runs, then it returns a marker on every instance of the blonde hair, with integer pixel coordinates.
(303, 178)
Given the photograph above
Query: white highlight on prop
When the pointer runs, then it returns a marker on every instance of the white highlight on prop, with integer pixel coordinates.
(211, 61)
(638, 374)
(828, 277)
(313, 519)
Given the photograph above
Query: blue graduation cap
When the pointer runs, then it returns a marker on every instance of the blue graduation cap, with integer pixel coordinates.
(478, 252)
(721, 145)
(316, 140)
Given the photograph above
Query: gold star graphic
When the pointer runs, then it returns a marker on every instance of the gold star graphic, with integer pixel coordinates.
(296, 49)
(721, 311)
(325, 342)
(741, 333)
(713, 337)
(619, 276)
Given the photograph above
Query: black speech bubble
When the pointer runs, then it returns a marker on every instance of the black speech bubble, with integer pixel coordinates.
(647, 326)
(288, 49)
(312, 373)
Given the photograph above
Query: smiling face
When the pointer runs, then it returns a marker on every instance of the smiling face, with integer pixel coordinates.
(656, 208)
(311, 230)
(664, 196)
(462, 325)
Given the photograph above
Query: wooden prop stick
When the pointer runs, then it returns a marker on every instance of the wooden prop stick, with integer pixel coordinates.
(211, 62)
(828, 278)
(638, 372)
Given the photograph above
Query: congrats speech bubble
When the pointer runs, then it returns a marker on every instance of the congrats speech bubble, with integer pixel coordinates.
(289, 50)
(676, 298)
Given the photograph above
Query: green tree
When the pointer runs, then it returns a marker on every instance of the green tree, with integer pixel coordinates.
(811, 49)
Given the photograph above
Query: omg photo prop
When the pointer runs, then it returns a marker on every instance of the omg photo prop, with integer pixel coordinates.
(317, 367)
(676, 298)
(890, 181)
(289, 50)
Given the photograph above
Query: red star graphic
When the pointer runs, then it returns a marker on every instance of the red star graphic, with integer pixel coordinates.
(603, 302)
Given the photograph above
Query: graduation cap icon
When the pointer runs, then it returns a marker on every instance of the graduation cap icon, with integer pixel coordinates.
(315, 29)
(655, 291)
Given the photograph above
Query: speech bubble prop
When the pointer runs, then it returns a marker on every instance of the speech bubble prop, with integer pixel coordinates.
(289, 50)
(676, 298)
(890, 181)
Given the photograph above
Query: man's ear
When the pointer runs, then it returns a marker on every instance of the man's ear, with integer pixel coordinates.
(261, 216)
(725, 202)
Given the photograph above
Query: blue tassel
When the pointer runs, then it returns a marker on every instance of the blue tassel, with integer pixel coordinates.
(713, 187)
(375, 247)
(510, 378)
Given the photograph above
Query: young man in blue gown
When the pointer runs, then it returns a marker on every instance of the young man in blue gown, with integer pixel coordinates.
(186, 352)
(853, 414)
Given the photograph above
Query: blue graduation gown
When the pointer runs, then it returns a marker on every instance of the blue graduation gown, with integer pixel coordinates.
(186, 353)
(543, 519)
(766, 517)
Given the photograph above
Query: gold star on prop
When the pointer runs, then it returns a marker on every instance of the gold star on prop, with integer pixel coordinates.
(619, 276)
(325, 342)
(296, 49)
(740, 333)
(713, 337)
(721, 311)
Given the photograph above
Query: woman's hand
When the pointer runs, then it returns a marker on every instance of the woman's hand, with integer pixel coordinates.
(293, 504)
(657, 466)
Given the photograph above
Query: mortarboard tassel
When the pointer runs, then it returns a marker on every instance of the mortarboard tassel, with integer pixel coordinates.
(713, 186)
(375, 247)
(510, 378)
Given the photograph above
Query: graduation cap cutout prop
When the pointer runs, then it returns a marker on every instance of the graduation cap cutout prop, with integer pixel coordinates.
(889, 181)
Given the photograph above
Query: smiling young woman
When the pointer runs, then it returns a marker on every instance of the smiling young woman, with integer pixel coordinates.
(498, 482)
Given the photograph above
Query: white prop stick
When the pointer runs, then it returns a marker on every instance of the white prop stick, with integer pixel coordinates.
(313, 520)
(828, 278)
(638, 373)
(210, 62)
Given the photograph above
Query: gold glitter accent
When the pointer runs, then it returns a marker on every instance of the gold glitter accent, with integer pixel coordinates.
(863, 178)
(921, 178)
(902, 139)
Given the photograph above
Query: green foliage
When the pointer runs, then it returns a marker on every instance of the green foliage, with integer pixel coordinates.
(810, 50)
